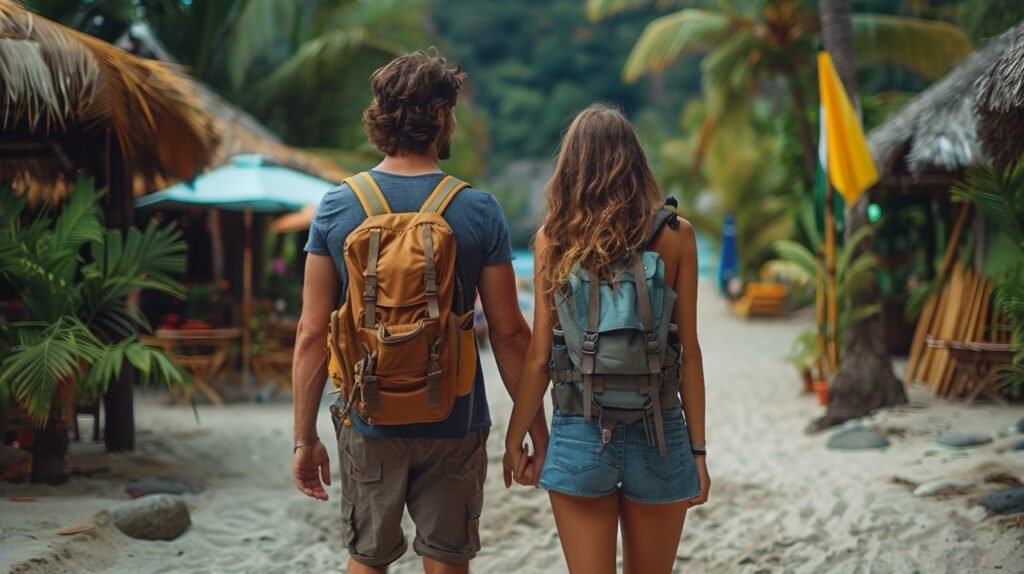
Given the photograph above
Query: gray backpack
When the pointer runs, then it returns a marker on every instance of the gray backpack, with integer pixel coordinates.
(615, 350)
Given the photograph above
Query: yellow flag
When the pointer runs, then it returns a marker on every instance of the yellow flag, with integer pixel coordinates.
(850, 167)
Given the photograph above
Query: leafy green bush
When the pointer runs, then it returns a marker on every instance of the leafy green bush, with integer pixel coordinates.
(74, 279)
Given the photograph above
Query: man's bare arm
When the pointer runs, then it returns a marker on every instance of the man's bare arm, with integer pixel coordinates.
(509, 333)
(311, 467)
(309, 367)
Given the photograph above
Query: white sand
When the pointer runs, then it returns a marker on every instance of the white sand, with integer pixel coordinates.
(781, 502)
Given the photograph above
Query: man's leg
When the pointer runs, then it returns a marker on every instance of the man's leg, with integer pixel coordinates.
(357, 568)
(374, 475)
(445, 497)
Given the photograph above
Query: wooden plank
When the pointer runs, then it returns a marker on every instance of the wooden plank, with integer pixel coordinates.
(928, 353)
(928, 313)
(948, 327)
(986, 312)
(963, 327)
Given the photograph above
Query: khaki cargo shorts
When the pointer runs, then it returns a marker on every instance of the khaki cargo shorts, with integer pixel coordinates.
(440, 481)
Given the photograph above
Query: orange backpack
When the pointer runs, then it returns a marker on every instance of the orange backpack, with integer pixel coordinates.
(398, 351)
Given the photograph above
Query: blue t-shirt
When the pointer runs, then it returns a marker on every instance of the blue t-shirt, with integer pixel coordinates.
(482, 239)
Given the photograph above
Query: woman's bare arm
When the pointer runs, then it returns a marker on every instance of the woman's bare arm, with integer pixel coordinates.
(685, 316)
(534, 379)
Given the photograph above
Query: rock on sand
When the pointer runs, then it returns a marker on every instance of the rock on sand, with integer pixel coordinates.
(154, 517)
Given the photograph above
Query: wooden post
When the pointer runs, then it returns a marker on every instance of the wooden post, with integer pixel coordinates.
(247, 301)
(832, 301)
(820, 288)
(118, 402)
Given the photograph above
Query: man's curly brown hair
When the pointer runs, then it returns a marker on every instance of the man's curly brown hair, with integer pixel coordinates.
(412, 97)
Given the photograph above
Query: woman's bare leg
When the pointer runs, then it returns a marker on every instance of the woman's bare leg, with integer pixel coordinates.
(650, 536)
(587, 528)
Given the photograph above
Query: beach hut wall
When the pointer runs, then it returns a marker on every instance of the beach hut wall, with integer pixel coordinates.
(71, 102)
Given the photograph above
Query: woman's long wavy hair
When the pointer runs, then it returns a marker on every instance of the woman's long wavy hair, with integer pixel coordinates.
(601, 200)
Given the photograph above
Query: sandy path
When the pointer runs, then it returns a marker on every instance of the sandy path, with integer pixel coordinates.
(781, 501)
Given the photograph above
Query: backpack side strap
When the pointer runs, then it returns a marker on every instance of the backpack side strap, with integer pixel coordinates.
(373, 201)
(665, 216)
(443, 195)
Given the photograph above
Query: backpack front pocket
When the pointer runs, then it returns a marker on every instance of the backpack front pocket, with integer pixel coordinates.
(403, 353)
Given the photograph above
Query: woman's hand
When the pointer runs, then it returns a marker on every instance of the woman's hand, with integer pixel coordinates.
(310, 465)
(705, 481)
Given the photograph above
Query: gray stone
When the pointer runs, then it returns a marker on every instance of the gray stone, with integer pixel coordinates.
(1019, 427)
(944, 486)
(1004, 502)
(153, 517)
(857, 439)
(963, 439)
(1018, 446)
(158, 485)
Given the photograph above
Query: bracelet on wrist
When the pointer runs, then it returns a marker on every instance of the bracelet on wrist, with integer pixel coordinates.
(295, 448)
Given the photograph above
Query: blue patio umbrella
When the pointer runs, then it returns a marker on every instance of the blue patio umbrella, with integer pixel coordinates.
(248, 184)
(728, 265)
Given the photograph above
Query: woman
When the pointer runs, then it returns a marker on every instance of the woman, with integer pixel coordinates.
(603, 210)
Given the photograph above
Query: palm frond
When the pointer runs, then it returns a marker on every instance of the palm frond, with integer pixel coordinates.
(800, 256)
(858, 275)
(849, 250)
(928, 47)
(992, 191)
(670, 37)
(44, 359)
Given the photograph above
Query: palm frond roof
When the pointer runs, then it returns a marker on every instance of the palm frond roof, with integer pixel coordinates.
(939, 128)
(69, 100)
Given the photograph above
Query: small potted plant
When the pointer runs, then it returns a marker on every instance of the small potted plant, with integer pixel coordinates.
(804, 356)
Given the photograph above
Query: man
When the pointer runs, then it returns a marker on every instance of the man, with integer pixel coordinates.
(437, 470)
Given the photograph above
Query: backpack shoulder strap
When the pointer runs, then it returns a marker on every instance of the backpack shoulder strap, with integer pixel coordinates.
(443, 195)
(369, 194)
(665, 216)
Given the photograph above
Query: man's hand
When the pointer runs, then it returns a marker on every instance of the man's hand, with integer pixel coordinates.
(519, 465)
(310, 465)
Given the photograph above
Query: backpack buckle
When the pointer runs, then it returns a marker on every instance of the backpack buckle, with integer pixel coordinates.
(430, 281)
(371, 287)
(653, 347)
(589, 345)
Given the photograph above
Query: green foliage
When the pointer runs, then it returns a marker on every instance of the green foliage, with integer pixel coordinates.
(534, 63)
(854, 274)
(73, 279)
(999, 194)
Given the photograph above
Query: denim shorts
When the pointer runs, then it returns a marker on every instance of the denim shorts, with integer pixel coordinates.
(577, 465)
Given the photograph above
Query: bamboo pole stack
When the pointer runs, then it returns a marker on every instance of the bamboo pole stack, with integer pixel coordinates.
(959, 312)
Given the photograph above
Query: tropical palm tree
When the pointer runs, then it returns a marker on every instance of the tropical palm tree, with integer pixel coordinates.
(750, 43)
(73, 279)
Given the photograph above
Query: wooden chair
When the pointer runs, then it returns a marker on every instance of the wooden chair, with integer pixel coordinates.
(975, 367)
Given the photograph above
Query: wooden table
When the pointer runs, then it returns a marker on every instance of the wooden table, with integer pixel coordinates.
(202, 353)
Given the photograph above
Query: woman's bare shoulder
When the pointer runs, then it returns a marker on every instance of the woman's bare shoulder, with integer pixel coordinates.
(676, 241)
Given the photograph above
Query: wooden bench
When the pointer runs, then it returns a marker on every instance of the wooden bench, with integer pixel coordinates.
(762, 300)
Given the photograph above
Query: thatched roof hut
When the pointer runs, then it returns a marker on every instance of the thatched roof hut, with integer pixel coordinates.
(69, 102)
(930, 141)
(239, 132)
(1000, 102)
